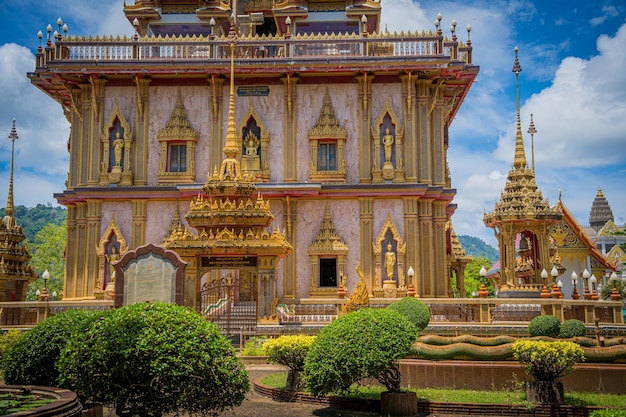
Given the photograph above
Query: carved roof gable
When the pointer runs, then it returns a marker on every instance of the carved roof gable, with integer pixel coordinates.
(178, 127)
(327, 239)
(327, 125)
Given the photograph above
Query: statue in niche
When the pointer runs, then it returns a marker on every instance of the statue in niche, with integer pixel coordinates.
(118, 147)
(390, 262)
(388, 141)
(111, 259)
(251, 161)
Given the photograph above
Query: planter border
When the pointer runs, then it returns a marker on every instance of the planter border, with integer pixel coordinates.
(427, 407)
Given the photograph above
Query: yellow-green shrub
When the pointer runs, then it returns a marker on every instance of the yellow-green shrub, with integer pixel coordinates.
(547, 361)
(8, 338)
(288, 350)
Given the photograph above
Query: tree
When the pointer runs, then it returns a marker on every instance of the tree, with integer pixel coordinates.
(152, 359)
(473, 278)
(366, 343)
(47, 253)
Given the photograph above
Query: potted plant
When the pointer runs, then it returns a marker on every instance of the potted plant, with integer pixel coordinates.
(367, 343)
(547, 362)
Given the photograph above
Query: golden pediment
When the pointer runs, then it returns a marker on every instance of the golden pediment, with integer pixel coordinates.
(327, 124)
(178, 126)
(327, 240)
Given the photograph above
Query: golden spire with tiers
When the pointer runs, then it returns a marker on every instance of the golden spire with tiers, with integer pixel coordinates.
(15, 272)
(230, 216)
(521, 215)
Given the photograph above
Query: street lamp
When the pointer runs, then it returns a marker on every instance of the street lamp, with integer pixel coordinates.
(483, 293)
(556, 293)
(364, 22)
(411, 290)
(615, 293)
(44, 292)
(544, 291)
(594, 294)
(574, 277)
(560, 285)
(586, 292)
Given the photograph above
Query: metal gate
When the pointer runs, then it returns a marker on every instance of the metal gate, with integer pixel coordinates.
(229, 301)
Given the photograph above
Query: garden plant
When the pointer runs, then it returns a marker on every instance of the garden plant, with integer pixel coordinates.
(366, 343)
(31, 359)
(544, 325)
(291, 352)
(415, 310)
(572, 328)
(153, 359)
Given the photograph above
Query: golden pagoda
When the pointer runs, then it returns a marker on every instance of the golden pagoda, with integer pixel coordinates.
(15, 272)
(231, 242)
(522, 221)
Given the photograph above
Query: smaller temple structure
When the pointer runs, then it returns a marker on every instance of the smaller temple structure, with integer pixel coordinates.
(522, 221)
(15, 271)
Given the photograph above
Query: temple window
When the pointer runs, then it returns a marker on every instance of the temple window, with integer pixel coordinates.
(327, 140)
(178, 145)
(327, 157)
(178, 158)
(328, 273)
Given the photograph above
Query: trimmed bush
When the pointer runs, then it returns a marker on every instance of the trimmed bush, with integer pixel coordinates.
(289, 351)
(572, 328)
(153, 359)
(254, 347)
(32, 358)
(8, 338)
(547, 361)
(415, 310)
(364, 344)
(544, 326)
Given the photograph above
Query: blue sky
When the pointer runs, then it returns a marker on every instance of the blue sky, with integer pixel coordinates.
(573, 55)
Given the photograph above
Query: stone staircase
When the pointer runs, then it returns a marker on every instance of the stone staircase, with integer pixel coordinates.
(240, 315)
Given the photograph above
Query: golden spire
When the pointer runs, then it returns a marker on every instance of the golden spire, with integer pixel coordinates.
(520, 154)
(10, 209)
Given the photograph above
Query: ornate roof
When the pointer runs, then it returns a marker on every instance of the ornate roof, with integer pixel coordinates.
(521, 199)
(600, 212)
(14, 255)
(327, 239)
(327, 125)
(178, 126)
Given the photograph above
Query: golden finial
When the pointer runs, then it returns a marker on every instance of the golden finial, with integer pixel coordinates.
(532, 131)
(600, 192)
(520, 155)
(10, 209)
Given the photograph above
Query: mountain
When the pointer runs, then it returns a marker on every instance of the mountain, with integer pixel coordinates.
(34, 219)
(476, 247)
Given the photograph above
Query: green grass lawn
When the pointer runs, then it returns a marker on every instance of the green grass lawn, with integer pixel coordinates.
(279, 380)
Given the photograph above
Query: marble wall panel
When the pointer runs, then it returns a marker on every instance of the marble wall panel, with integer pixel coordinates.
(384, 207)
(345, 216)
(382, 92)
(123, 218)
(126, 99)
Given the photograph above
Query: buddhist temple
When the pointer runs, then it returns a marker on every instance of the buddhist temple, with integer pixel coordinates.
(274, 145)
(522, 221)
(15, 271)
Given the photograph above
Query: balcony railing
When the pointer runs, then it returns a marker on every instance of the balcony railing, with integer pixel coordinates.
(403, 47)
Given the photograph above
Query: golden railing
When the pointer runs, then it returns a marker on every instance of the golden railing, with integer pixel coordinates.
(403, 47)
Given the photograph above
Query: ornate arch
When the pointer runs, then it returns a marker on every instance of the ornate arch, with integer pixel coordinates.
(393, 170)
(263, 173)
(111, 170)
(111, 238)
(327, 246)
(389, 235)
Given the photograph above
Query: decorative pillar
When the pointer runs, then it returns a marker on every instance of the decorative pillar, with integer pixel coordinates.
(97, 124)
(92, 239)
(437, 120)
(216, 85)
(139, 223)
(365, 121)
(289, 125)
(411, 233)
(422, 132)
(142, 119)
(366, 220)
(290, 276)
(426, 269)
(440, 273)
(410, 126)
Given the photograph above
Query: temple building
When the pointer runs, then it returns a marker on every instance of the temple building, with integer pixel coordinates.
(274, 145)
(607, 236)
(542, 248)
(15, 271)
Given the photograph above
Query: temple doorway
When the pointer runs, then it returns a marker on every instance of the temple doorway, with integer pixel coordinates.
(228, 297)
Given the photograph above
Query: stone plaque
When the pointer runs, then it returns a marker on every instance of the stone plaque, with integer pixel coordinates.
(149, 273)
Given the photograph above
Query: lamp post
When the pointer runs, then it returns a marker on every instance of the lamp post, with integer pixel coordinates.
(288, 23)
(44, 295)
(364, 23)
(410, 292)
(483, 293)
(556, 293)
(594, 294)
(586, 292)
(544, 291)
(615, 296)
(560, 285)
(574, 277)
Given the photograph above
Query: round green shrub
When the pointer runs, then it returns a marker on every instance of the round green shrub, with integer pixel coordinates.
(544, 326)
(153, 359)
(572, 328)
(364, 344)
(31, 359)
(547, 361)
(289, 350)
(415, 310)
